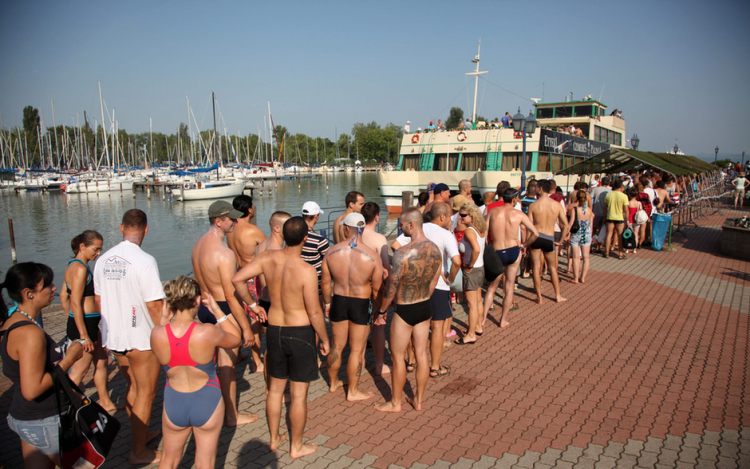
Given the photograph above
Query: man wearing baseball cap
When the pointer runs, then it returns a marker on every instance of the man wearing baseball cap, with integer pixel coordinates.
(356, 272)
(442, 193)
(214, 265)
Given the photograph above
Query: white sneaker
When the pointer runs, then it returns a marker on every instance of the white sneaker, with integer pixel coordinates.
(635, 251)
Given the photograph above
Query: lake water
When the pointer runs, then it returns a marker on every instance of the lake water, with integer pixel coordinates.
(44, 224)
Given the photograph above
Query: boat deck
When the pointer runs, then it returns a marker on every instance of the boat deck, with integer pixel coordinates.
(645, 365)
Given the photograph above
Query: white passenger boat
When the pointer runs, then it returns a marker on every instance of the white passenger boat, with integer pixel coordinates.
(208, 190)
(485, 156)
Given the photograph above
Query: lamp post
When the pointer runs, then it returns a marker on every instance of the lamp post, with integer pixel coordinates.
(525, 125)
(634, 141)
(743, 158)
(716, 154)
(676, 148)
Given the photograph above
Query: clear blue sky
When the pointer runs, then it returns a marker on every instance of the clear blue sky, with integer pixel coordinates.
(678, 70)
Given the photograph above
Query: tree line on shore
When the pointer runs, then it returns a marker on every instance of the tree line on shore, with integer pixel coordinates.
(70, 147)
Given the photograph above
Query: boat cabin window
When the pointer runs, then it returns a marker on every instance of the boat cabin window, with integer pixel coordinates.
(564, 111)
(545, 113)
(543, 162)
(410, 162)
(584, 111)
(474, 161)
(512, 161)
(555, 163)
(442, 163)
(568, 161)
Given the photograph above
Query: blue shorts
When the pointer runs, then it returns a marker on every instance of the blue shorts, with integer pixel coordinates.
(441, 305)
(42, 434)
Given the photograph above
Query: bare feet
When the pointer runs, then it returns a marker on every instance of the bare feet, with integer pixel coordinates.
(504, 323)
(147, 457)
(539, 299)
(303, 450)
(274, 445)
(259, 368)
(573, 281)
(384, 370)
(358, 395)
(335, 385)
(242, 419)
(388, 407)
(583, 280)
(560, 299)
(414, 403)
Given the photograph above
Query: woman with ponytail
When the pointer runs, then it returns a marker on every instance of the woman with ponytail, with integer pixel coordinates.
(83, 316)
(29, 355)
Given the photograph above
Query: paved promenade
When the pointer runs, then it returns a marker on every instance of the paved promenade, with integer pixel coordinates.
(646, 366)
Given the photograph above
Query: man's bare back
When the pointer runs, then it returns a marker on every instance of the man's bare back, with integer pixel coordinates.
(413, 264)
(378, 243)
(504, 222)
(544, 213)
(211, 258)
(243, 241)
(356, 271)
(268, 244)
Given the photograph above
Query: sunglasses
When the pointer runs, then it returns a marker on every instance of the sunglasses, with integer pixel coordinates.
(462, 215)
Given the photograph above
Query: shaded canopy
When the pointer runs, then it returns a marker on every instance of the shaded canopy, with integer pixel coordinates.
(616, 160)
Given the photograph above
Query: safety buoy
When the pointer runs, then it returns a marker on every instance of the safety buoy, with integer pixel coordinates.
(461, 136)
(63, 188)
(186, 185)
(415, 138)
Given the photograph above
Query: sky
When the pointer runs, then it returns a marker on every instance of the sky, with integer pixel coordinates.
(677, 70)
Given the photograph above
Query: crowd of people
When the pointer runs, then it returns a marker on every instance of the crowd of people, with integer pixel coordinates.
(284, 287)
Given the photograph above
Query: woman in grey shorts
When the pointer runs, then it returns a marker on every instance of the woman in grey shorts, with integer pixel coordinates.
(472, 248)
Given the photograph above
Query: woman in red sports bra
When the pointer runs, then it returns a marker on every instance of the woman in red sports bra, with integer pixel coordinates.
(192, 395)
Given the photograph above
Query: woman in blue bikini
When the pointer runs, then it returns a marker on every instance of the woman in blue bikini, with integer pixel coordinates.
(581, 240)
(192, 396)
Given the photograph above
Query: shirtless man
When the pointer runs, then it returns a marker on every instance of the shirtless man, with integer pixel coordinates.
(415, 273)
(243, 241)
(354, 201)
(543, 214)
(662, 196)
(504, 222)
(378, 243)
(357, 274)
(214, 265)
(293, 320)
(275, 241)
(441, 193)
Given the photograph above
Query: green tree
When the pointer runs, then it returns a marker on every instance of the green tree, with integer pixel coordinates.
(30, 131)
(455, 116)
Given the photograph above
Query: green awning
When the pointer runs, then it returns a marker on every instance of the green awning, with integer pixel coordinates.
(616, 160)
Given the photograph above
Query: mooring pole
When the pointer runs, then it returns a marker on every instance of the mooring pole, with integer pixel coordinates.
(12, 242)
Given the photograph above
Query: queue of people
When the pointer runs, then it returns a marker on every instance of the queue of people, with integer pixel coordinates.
(284, 287)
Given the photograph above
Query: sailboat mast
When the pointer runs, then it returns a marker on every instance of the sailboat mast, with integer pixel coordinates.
(213, 102)
(476, 73)
(104, 132)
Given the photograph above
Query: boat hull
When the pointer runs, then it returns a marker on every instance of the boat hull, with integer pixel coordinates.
(206, 193)
(98, 186)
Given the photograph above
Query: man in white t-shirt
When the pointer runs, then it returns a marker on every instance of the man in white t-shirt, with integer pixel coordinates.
(437, 232)
(130, 298)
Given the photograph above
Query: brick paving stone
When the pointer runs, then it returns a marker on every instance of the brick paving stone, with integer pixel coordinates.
(563, 465)
(648, 459)
(572, 454)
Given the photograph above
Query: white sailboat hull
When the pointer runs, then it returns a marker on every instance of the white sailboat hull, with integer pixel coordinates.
(109, 185)
(214, 192)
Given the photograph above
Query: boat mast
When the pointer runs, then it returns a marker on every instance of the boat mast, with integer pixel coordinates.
(213, 102)
(476, 73)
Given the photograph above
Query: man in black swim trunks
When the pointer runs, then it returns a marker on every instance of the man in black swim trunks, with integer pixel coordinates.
(415, 273)
(505, 226)
(214, 264)
(543, 214)
(293, 320)
(357, 274)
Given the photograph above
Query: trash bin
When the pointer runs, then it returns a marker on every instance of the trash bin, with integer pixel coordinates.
(660, 224)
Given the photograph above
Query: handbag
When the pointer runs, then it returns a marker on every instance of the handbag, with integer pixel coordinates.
(640, 217)
(575, 227)
(493, 268)
(87, 431)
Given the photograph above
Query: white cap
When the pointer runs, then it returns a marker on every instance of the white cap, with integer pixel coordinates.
(355, 220)
(311, 208)
(408, 122)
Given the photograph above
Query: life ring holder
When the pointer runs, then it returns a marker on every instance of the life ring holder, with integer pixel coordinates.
(461, 136)
(415, 138)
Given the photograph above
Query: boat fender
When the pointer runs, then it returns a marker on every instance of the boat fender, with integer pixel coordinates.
(461, 136)
(63, 188)
(415, 139)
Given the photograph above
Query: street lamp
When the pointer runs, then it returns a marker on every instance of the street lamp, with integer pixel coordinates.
(743, 158)
(676, 148)
(634, 141)
(525, 125)
(716, 154)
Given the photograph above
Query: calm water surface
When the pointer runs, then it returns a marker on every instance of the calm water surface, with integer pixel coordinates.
(44, 224)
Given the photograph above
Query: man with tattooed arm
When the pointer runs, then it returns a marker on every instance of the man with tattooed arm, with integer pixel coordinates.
(357, 274)
(415, 273)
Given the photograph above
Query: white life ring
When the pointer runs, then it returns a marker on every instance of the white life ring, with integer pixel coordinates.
(460, 134)
(186, 185)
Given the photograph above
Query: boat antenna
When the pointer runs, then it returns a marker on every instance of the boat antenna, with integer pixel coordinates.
(476, 73)
(600, 94)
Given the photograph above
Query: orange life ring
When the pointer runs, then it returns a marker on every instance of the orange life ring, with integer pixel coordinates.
(459, 136)
(415, 138)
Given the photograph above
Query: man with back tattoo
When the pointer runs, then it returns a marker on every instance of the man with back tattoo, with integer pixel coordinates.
(414, 275)
(357, 274)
